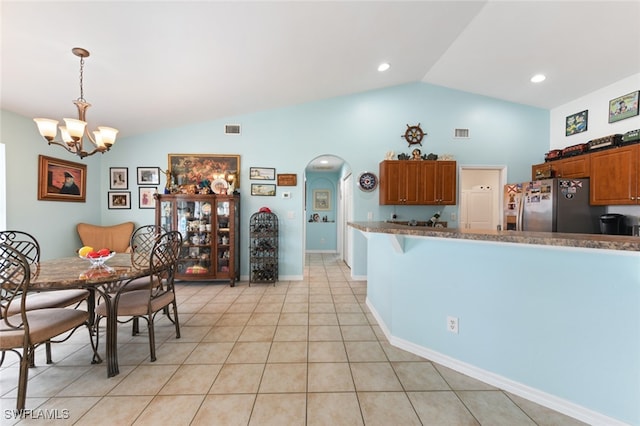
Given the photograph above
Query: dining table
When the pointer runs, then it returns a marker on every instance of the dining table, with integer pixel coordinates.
(104, 279)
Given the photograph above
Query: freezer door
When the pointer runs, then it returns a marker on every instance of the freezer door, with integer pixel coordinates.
(574, 214)
(538, 206)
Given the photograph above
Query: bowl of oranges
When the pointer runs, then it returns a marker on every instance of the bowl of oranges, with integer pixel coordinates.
(96, 257)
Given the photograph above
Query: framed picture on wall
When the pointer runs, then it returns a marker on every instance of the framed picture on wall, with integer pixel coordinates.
(119, 200)
(61, 180)
(191, 169)
(577, 123)
(321, 199)
(118, 178)
(145, 197)
(623, 107)
(262, 173)
(148, 175)
(263, 189)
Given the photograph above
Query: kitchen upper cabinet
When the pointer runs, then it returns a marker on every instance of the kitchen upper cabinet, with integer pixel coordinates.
(614, 176)
(571, 168)
(399, 182)
(408, 182)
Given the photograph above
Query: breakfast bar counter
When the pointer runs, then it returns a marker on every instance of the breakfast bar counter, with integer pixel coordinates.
(553, 318)
(598, 241)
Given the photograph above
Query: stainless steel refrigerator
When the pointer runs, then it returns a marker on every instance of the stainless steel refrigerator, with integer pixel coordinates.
(551, 205)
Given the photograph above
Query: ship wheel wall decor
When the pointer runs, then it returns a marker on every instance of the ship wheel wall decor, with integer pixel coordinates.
(414, 135)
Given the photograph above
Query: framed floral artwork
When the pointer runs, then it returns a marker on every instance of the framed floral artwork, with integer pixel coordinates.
(192, 169)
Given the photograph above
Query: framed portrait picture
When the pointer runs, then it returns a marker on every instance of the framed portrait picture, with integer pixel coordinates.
(148, 175)
(287, 179)
(263, 189)
(118, 178)
(623, 107)
(262, 173)
(145, 197)
(322, 199)
(191, 169)
(119, 199)
(576, 123)
(61, 180)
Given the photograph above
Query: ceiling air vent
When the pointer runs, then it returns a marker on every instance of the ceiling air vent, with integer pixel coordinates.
(231, 129)
(461, 133)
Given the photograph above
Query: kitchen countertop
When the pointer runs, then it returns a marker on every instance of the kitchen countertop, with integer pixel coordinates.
(596, 241)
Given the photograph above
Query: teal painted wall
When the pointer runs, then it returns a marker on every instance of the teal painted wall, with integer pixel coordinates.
(563, 321)
(359, 128)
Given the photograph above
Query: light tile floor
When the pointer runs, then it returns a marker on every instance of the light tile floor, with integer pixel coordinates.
(297, 353)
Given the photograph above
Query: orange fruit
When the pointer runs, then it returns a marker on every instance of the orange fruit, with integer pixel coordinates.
(84, 251)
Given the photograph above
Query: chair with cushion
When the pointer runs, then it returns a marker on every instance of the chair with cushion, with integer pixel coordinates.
(146, 303)
(28, 246)
(21, 333)
(142, 242)
(114, 237)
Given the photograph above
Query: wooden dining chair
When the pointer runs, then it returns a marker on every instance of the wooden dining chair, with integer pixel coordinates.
(29, 247)
(146, 303)
(21, 333)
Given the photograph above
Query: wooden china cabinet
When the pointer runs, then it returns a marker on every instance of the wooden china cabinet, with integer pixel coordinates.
(210, 228)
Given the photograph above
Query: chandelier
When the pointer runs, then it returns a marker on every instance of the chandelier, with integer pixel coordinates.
(75, 131)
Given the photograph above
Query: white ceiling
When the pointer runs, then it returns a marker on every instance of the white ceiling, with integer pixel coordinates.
(161, 64)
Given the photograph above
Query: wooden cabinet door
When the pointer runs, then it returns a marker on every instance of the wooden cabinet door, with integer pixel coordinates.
(574, 167)
(446, 182)
(614, 176)
(410, 173)
(427, 182)
(543, 171)
(391, 183)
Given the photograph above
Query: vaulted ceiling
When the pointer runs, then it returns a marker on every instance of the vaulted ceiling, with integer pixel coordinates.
(164, 64)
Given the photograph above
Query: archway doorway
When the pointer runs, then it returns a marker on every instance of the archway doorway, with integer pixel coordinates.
(327, 206)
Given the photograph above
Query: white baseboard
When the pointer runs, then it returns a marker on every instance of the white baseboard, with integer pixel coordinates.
(532, 394)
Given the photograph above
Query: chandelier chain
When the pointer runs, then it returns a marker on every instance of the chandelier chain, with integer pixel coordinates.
(81, 98)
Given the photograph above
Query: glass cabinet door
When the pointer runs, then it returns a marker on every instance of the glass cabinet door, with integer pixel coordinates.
(223, 242)
(193, 218)
(166, 216)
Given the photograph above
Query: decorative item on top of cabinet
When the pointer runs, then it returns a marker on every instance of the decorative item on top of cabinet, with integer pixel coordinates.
(263, 247)
(210, 228)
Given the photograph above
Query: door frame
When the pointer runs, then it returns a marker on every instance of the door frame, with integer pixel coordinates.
(502, 178)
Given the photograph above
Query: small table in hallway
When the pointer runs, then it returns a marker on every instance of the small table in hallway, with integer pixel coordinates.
(75, 272)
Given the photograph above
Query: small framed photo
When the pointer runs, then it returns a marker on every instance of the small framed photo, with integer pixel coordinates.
(262, 173)
(623, 107)
(261, 189)
(577, 123)
(145, 197)
(322, 199)
(287, 179)
(119, 199)
(148, 175)
(118, 178)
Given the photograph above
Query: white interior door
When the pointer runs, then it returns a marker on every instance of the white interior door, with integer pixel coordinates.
(478, 209)
(347, 201)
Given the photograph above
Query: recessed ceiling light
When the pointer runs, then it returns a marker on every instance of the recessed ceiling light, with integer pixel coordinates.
(324, 162)
(383, 67)
(538, 78)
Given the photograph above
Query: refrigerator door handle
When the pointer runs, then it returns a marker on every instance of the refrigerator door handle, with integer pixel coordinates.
(519, 220)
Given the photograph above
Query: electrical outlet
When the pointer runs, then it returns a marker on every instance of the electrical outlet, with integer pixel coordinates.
(452, 324)
(370, 216)
(454, 216)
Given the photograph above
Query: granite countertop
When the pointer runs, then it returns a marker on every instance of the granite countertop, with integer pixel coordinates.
(596, 241)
